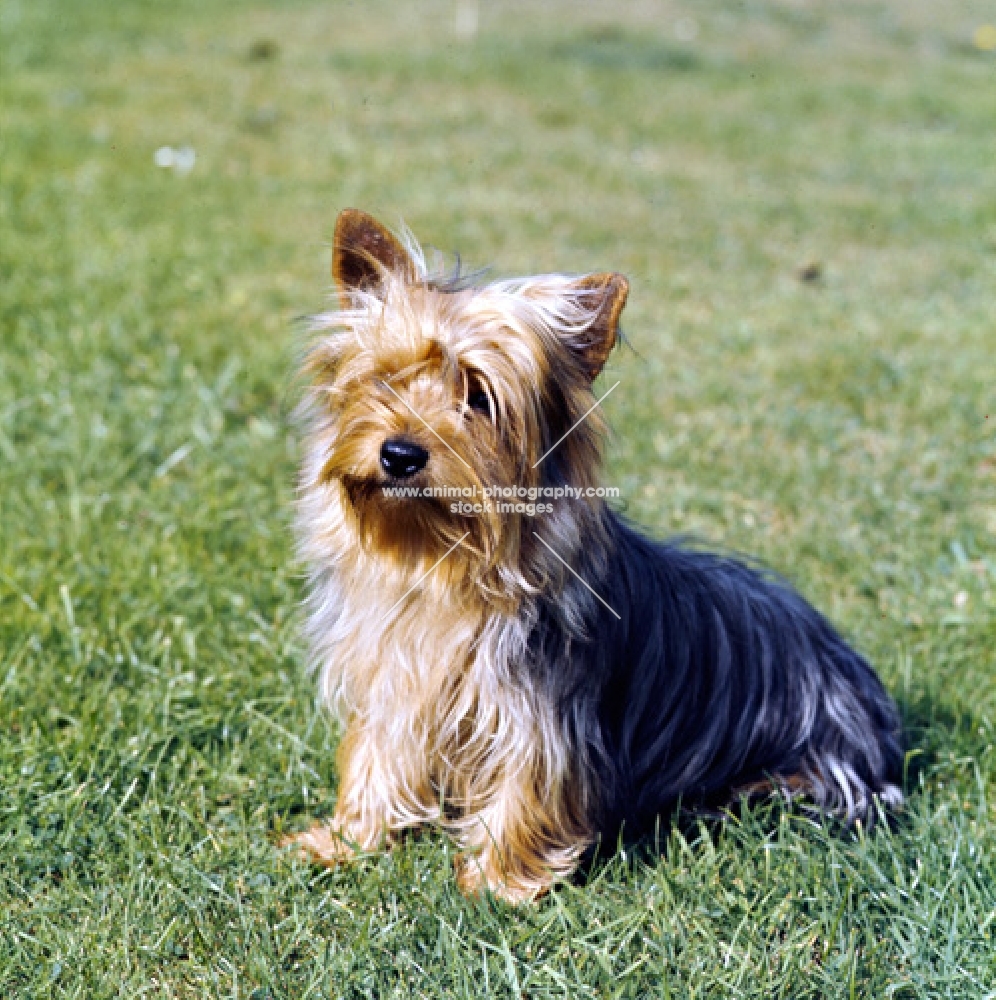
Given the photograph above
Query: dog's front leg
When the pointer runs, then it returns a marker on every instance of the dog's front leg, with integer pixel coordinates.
(520, 843)
(382, 789)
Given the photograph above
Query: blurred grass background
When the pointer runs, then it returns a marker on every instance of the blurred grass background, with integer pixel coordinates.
(804, 198)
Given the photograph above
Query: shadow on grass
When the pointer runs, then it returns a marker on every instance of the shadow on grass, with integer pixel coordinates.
(933, 729)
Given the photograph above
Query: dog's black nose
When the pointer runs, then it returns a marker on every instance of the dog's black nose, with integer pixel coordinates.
(401, 458)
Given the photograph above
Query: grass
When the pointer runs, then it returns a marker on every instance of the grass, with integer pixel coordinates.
(158, 727)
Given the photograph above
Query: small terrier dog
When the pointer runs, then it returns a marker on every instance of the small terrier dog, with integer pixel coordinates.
(531, 684)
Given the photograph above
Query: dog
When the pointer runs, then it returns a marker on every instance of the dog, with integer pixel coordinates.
(532, 684)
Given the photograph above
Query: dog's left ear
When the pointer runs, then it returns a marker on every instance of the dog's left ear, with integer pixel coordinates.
(363, 251)
(605, 294)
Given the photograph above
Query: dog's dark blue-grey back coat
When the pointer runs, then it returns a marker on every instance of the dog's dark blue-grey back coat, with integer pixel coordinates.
(714, 676)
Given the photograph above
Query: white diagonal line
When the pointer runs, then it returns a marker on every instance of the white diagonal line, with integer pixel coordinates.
(431, 430)
(425, 574)
(609, 606)
(580, 420)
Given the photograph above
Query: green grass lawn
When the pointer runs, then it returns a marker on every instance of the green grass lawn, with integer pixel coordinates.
(157, 726)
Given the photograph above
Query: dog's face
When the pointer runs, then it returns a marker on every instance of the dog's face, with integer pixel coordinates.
(433, 386)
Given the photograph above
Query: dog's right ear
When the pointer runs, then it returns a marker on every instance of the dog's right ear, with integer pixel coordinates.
(362, 252)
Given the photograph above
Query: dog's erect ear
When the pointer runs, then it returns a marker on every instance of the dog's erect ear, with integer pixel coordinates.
(362, 251)
(605, 294)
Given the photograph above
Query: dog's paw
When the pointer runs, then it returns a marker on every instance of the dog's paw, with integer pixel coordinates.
(474, 877)
(321, 844)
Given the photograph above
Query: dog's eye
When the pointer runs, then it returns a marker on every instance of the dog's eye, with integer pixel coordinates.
(477, 399)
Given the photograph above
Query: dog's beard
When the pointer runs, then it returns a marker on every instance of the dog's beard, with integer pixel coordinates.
(414, 532)
(408, 528)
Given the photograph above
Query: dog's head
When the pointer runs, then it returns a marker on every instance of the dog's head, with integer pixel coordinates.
(430, 391)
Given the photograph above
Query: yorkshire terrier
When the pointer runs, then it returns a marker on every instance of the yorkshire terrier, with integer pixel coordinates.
(533, 683)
